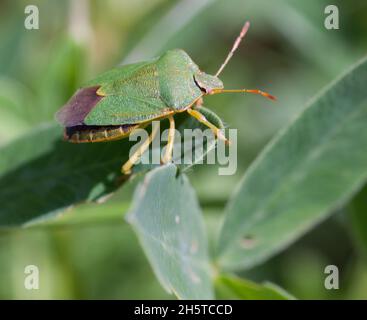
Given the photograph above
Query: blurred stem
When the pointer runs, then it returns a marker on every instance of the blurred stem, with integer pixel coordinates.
(59, 240)
(358, 218)
(176, 19)
(80, 28)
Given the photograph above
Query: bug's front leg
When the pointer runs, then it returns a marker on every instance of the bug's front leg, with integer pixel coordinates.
(171, 139)
(126, 168)
(201, 118)
(199, 102)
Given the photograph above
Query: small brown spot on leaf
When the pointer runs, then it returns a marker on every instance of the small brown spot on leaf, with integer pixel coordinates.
(194, 247)
(194, 277)
(248, 242)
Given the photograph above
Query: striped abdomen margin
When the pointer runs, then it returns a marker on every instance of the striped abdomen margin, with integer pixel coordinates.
(83, 133)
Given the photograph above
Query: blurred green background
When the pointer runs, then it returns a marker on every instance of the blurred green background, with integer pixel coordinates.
(287, 52)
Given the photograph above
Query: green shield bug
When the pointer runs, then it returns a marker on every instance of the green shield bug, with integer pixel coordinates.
(119, 101)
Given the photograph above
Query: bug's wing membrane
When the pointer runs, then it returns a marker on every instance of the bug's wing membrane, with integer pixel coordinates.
(74, 112)
(78, 107)
(125, 95)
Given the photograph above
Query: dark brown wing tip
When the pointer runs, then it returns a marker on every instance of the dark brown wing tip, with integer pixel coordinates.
(78, 107)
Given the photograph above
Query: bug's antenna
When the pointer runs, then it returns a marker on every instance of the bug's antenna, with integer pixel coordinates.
(235, 46)
(255, 91)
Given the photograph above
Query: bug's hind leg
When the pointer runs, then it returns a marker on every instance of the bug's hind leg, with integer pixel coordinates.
(126, 168)
(171, 139)
(201, 118)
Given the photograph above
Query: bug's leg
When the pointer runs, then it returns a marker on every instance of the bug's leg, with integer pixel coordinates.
(171, 139)
(201, 118)
(126, 168)
(199, 102)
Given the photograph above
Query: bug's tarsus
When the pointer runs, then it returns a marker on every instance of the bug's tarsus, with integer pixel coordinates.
(202, 119)
(234, 47)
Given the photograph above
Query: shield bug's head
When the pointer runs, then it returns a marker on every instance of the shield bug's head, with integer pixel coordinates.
(207, 83)
(204, 81)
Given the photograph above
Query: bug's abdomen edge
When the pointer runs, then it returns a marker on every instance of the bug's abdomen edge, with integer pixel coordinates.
(87, 134)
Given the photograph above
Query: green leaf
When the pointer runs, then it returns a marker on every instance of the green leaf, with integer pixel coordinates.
(111, 212)
(40, 174)
(169, 224)
(232, 287)
(309, 170)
